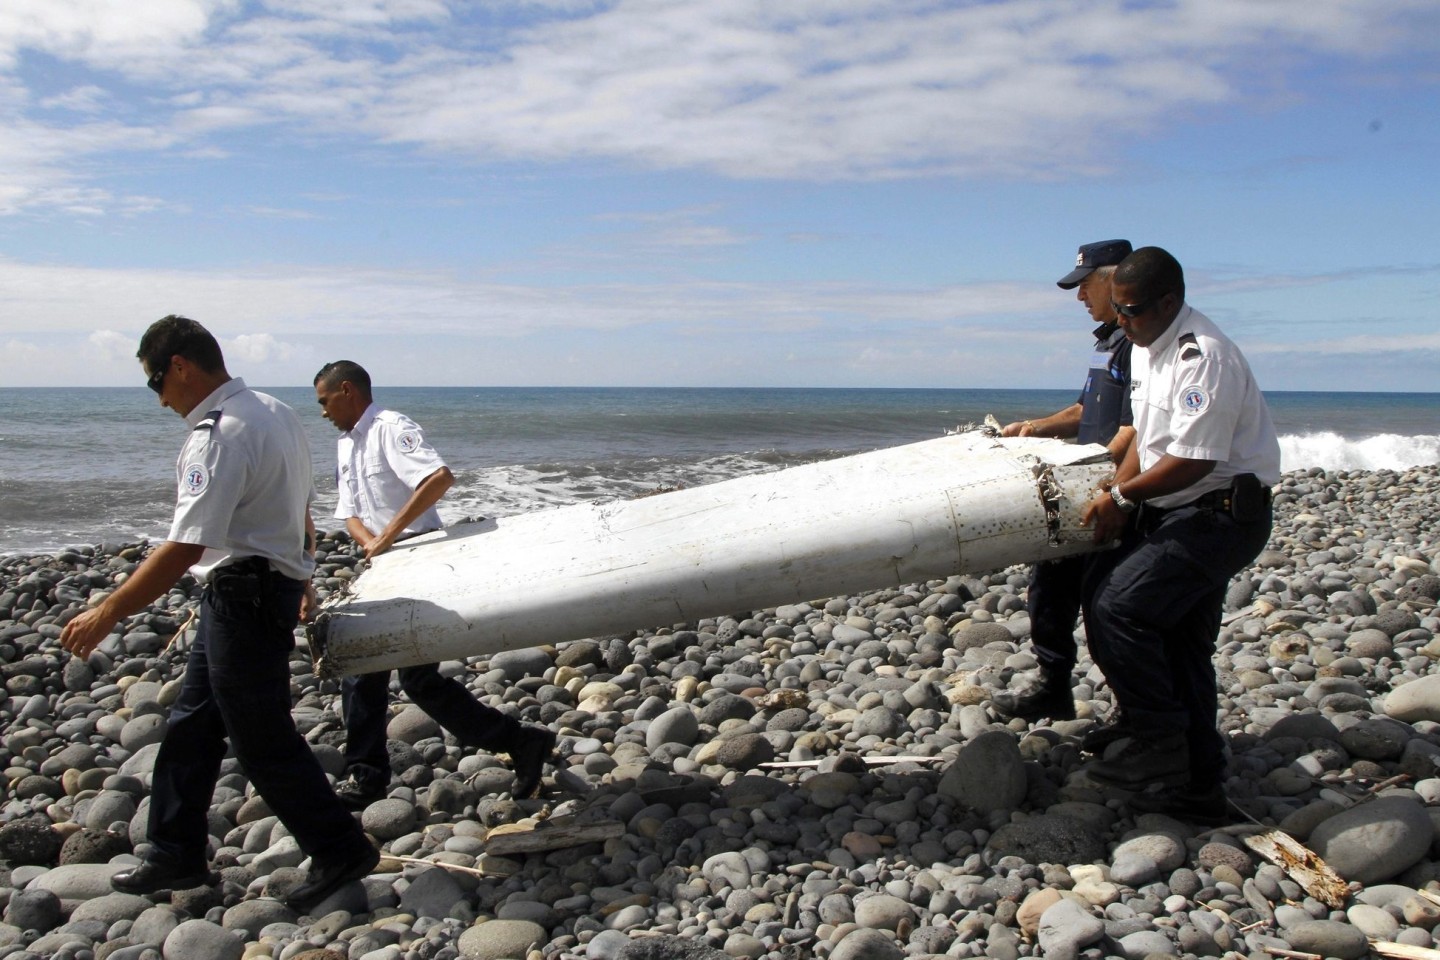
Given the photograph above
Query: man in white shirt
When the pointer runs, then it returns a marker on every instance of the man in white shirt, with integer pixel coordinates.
(242, 527)
(1191, 506)
(389, 480)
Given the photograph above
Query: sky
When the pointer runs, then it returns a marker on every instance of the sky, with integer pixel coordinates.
(852, 193)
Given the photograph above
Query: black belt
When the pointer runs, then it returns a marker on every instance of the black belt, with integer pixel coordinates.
(1218, 500)
(251, 565)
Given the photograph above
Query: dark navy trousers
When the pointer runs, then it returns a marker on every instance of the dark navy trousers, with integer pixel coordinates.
(365, 698)
(1053, 601)
(237, 686)
(1154, 604)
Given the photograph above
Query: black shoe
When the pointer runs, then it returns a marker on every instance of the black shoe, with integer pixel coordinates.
(1206, 805)
(1098, 738)
(326, 878)
(534, 746)
(356, 795)
(1049, 696)
(153, 876)
(1145, 761)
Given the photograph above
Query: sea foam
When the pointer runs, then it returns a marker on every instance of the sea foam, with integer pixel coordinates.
(1384, 451)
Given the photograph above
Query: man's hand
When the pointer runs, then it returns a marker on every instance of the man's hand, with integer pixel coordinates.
(1020, 428)
(1108, 519)
(379, 545)
(87, 631)
(309, 602)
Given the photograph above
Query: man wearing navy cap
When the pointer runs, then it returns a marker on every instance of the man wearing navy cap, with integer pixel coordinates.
(1101, 414)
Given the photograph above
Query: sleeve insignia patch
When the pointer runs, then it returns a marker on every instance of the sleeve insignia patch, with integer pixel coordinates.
(408, 442)
(195, 479)
(1195, 400)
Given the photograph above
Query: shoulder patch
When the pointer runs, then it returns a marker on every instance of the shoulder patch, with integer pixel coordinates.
(195, 478)
(1194, 400)
(210, 421)
(1189, 348)
(408, 441)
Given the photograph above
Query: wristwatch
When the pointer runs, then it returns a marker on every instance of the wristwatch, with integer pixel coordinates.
(1125, 504)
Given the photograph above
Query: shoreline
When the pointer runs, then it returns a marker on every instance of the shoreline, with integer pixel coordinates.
(665, 732)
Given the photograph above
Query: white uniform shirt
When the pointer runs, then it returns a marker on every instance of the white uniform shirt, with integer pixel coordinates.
(245, 482)
(1194, 397)
(380, 461)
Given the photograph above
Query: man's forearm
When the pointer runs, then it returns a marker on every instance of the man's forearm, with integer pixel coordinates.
(426, 495)
(1120, 445)
(1169, 475)
(1062, 424)
(360, 533)
(155, 574)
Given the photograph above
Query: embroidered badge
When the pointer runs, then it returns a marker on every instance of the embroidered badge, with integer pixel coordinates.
(1195, 400)
(408, 442)
(196, 479)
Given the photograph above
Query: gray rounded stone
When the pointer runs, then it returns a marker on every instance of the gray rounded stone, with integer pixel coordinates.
(864, 944)
(518, 664)
(255, 915)
(1374, 841)
(388, 819)
(111, 908)
(988, 774)
(677, 725)
(1048, 838)
(201, 938)
(1415, 701)
(500, 939)
(883, 912)
(1329, 938)
(411, 725)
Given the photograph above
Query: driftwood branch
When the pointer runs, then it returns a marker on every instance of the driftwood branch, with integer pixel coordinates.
(1292, 954)
(1304, 867)
(512, 838)
(1403, 951)
(868, 761)
(452, 867)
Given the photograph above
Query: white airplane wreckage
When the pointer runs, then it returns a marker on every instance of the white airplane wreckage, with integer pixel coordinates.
(968, 502)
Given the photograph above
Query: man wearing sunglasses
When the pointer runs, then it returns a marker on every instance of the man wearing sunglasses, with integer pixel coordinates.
(389, 479)
(242, 527)
(1190, 505)
(1101, 414)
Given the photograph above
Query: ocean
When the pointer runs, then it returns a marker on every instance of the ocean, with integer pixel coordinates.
(86, 466)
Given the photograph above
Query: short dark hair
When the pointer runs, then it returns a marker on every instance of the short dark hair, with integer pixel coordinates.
(175, 335)
(1153, 272)
(337, 372)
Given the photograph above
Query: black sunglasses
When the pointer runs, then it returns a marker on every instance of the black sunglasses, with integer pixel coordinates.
(1132, 310)
(156, 380)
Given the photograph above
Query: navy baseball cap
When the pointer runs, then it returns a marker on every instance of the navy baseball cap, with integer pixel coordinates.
(1106, 253)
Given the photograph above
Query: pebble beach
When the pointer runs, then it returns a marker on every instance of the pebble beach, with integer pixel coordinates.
(822, 779)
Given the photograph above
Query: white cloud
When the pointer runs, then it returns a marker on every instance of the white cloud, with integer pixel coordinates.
(1409, 345)
(281, 320)
(111, 346)
(260, 348)
(869, 89)
(102, 29)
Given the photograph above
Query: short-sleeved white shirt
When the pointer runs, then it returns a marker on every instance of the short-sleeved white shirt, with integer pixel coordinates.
(379, 463)
(1194, 397)
(245, 482)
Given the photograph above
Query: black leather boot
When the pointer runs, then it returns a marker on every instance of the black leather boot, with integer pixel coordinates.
(1048, 695)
